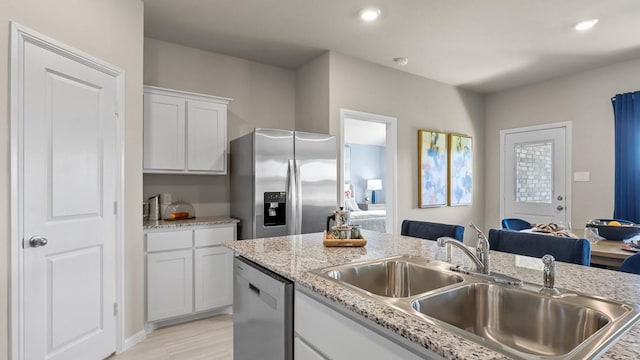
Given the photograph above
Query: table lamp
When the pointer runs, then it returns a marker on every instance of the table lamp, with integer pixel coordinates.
(373, 185)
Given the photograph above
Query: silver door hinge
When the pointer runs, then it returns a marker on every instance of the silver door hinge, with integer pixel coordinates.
(115, 208)
(115, 309)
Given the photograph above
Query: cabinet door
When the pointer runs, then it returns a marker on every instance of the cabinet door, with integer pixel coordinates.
(213, 277)
(164, 132)
(169, 284)
(207, 137)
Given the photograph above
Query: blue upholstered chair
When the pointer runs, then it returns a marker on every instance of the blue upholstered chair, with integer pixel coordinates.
(515, 224)
(631, 264)
(431, 231)
(571, 250)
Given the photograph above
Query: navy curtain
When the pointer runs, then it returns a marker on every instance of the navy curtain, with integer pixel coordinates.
(626, 108)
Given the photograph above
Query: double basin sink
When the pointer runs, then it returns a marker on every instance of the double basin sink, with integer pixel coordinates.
(516, 320)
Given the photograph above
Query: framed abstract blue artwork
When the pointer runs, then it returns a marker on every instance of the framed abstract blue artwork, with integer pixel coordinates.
(432, 159)
(460, 169)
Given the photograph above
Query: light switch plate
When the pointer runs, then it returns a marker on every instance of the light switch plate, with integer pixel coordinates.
(581, 176)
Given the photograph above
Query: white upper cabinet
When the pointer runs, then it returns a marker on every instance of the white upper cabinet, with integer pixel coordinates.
(203, 154)
(184, 133)
(164, 135)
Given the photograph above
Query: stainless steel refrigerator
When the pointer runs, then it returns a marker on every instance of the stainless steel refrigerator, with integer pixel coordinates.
(282, 182)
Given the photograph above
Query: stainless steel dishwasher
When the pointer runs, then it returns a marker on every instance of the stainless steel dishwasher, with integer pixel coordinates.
(262, 313)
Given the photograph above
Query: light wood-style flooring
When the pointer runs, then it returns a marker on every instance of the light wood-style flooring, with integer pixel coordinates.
(210, 339)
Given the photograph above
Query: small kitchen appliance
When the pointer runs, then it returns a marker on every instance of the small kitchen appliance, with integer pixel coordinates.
(154, 207)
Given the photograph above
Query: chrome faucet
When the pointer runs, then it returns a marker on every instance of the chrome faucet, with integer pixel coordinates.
(481, 259)
(549, 275)
(482, 249)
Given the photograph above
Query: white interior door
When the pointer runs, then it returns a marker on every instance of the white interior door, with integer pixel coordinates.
(534, 174)
(69, 167)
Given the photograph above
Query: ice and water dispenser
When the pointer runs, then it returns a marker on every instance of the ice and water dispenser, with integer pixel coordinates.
(275, 208)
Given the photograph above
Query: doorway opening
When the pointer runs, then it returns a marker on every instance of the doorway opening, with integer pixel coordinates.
(368, 169)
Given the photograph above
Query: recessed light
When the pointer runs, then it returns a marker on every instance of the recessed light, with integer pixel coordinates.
(369, 14)
(401, 61)
(585, 25)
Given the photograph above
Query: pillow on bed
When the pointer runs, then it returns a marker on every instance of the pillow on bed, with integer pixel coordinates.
(349, 200)
(351, 205)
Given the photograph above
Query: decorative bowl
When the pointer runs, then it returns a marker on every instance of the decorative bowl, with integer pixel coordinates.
(626, 229)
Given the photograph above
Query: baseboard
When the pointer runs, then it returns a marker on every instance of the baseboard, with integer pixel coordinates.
(152, 326)
(134, 340)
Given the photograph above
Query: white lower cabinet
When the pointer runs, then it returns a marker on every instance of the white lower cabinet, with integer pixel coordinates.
(188, 271)
(169, 284)
(213, 277)
(323, 332)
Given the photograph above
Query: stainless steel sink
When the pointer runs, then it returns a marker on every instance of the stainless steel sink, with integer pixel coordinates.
(521, 320)
(515, 320)
(396, 277)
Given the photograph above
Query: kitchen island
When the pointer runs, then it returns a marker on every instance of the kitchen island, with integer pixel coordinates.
(293, 257)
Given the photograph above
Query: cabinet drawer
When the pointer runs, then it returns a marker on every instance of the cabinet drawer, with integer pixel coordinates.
(216, 236)
(304, 352)
(323, 328)
(170, 240)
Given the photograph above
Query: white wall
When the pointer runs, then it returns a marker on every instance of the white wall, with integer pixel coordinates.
(312, 95)
(585, 100)
(263, 96)
(417, 103)
(112, 31)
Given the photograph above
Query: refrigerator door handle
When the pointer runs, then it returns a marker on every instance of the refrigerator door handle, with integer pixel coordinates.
(292, 198)
(298, 203)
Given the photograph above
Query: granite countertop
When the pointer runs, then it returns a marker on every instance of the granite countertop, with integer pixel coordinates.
(293, 257)
(199, 221)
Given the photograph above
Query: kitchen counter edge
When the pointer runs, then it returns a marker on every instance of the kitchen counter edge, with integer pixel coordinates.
(199, 221)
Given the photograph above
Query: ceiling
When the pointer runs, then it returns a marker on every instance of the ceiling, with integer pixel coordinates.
(485, 46)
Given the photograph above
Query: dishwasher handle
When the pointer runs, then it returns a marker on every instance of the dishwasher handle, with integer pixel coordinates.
(254, 289)
(264, 297)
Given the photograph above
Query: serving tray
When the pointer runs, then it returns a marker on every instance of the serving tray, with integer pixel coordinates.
(330, 241)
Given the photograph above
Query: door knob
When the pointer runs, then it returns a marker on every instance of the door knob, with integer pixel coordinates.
(560, 197)
(560, 207)
(37, 241)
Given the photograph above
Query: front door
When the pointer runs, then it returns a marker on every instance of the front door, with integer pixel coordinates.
(68, 187)
(534, 174)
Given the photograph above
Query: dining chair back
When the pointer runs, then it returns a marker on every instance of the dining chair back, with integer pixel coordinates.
(515, 224)
(571, 250)
(631, 264)
(430, 230)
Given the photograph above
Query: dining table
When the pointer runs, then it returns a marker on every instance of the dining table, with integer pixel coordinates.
(608, 253)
